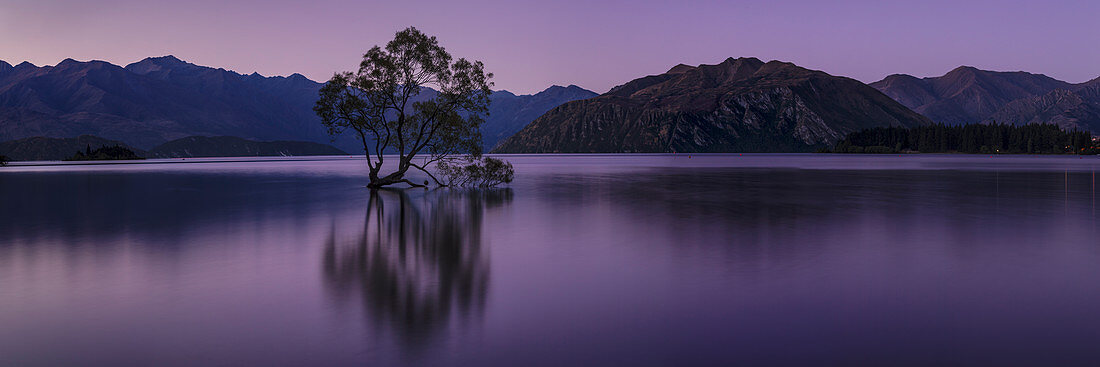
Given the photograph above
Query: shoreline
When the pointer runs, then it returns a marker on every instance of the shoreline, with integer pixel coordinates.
(156, 161)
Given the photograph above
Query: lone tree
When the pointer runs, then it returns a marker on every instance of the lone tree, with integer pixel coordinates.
(410, 98)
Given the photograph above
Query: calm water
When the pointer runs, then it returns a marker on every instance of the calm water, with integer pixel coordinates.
(584, 260)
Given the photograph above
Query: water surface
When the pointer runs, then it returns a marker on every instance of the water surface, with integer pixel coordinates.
(584, 260)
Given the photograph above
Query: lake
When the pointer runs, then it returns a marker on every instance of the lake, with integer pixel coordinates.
(585, 260)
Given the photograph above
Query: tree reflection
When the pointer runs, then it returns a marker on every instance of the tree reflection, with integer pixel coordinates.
(417, 262)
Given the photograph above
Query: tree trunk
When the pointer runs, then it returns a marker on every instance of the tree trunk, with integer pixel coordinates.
(390, 179)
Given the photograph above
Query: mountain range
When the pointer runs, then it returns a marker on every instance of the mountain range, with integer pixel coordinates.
(738, 105)
(159, 99)
(152, 101)
(508, 113)
(967, 95)
(1074, 108)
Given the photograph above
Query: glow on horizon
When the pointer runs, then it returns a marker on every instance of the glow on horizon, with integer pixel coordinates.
(596, 45)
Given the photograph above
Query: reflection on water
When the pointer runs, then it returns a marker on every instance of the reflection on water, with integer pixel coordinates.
(639, 260)
(417, 261)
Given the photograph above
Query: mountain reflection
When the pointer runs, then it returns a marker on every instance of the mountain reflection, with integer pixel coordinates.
(417, 262)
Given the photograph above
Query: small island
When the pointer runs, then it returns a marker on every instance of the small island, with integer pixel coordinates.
(105, 153)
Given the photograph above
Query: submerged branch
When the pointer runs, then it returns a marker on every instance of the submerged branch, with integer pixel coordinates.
(414, 165)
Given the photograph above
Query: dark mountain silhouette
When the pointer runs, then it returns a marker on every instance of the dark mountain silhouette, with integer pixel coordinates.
(228, 146)
(738, 105)
(509, 113)
(55, 149)
(965, 95)
(152, 101)
(158, 99)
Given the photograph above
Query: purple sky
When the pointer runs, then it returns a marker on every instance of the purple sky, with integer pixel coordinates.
(596, 45)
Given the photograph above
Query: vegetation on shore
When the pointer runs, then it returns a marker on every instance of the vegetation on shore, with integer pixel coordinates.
(107, 153)
(992, 138)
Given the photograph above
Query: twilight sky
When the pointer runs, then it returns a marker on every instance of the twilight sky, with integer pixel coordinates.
(530, 45)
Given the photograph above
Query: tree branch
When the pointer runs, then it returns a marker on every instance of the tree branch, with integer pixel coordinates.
(405, 180)
(429, 174)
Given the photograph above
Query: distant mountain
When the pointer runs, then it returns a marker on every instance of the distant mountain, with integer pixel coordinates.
(1077, 107)
(228, 146)
(153, 101)
(965, 95)
(158, 99)
(55, 149)
(509, 113)
(739, 105)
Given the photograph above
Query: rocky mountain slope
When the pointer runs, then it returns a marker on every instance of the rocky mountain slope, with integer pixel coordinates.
(739, 105)
(1077, 107)
(965, 95)
(509, 113)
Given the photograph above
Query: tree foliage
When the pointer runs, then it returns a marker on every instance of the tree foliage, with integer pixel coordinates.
(976, 138)
(488, 172)
(387, 103)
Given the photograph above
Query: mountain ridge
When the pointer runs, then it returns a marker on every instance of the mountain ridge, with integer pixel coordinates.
(509, 113)
(966, 94)
(158, 99)
(1075, 108)
(99, 98)
(739, 104)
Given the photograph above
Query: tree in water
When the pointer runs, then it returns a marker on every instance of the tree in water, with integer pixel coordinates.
(410, 98)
